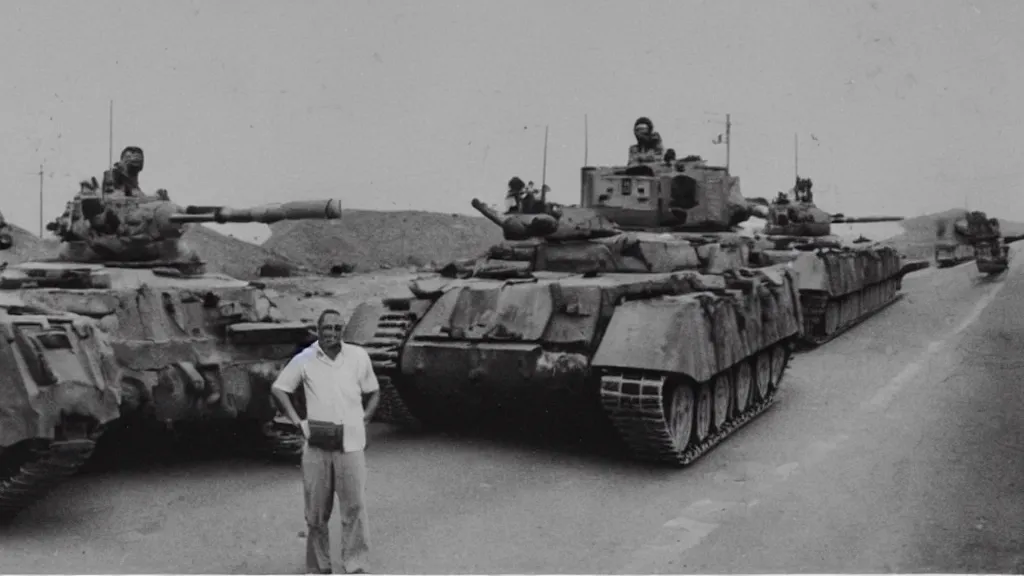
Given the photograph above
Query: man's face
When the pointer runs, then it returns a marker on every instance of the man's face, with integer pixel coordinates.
(330, 331)
(641, 131)
(133, 161)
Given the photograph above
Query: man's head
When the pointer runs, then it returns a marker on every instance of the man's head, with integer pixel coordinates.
(132, 159)
(642, 128)
(515, 184)
(329, 328)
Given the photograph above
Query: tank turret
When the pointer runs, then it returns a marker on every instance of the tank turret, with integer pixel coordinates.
(983, 235)
(974, 226)
(683, 195)
(799, 216)
(562, 223)
(146, 231)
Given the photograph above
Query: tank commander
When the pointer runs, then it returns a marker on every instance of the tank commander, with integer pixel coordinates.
(802, 190)
(514, 197)
(532, 202)
(123, 177)
(648, 147)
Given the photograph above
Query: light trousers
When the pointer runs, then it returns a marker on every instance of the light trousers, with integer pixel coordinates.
(324, 474)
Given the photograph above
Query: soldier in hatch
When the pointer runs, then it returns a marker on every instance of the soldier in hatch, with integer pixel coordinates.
(123, 177)
(515, 194)
(802, 190)
(648, 147)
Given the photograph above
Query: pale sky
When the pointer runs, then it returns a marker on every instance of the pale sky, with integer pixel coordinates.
(425, 105)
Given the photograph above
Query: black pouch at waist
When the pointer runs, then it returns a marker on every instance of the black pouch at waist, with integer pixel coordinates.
(326, 436)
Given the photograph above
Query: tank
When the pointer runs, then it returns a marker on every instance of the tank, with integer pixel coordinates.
(57, 396)
(193, 347)
(669, 340)
(842, 283)
(951, 246)
(991, 250)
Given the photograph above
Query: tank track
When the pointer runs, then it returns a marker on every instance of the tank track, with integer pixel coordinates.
(392, 329)
(43, 471)
(846, 311)
(635, 402)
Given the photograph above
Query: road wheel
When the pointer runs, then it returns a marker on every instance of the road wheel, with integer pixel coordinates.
(680, 417)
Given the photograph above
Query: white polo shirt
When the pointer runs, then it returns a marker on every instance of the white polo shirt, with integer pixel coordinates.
(334, 388)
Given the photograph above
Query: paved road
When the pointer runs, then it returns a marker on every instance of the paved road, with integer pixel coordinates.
(895, 448)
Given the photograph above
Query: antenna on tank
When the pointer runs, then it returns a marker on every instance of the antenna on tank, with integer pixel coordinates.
(728, 140)
(586, 141)
(40, 200)
(544, 171)
(110, 152)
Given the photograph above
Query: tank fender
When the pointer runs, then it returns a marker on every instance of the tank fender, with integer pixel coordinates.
(669, 334)
(95, 305)
(362, 324)
(812, 271)
(700, 334)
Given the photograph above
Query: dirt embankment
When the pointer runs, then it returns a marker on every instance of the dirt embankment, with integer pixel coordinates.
(371, 240)
(236, 257)
(27, 246)
(222, 253)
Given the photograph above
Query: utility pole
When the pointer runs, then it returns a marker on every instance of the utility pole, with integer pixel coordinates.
(40, 200)
(728, 140)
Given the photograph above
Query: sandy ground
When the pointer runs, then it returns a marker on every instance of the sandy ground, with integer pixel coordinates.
(894, 448)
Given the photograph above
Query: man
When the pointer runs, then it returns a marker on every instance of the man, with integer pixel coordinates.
(532, 203)
(648, 147)
(123, 177)
(514, 196)
(341, 395)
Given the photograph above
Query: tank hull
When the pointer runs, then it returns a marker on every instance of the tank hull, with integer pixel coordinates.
(201, 349)
(953, 254)
(992, 257)
(57, 395)
(671, 363)
(845, 284)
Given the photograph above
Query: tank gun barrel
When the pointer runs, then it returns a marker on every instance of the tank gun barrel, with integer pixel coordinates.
(488, 212)
(264, 213)
(841, 219)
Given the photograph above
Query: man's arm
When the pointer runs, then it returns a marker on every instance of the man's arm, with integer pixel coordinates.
(370, 388)
(284, 386)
